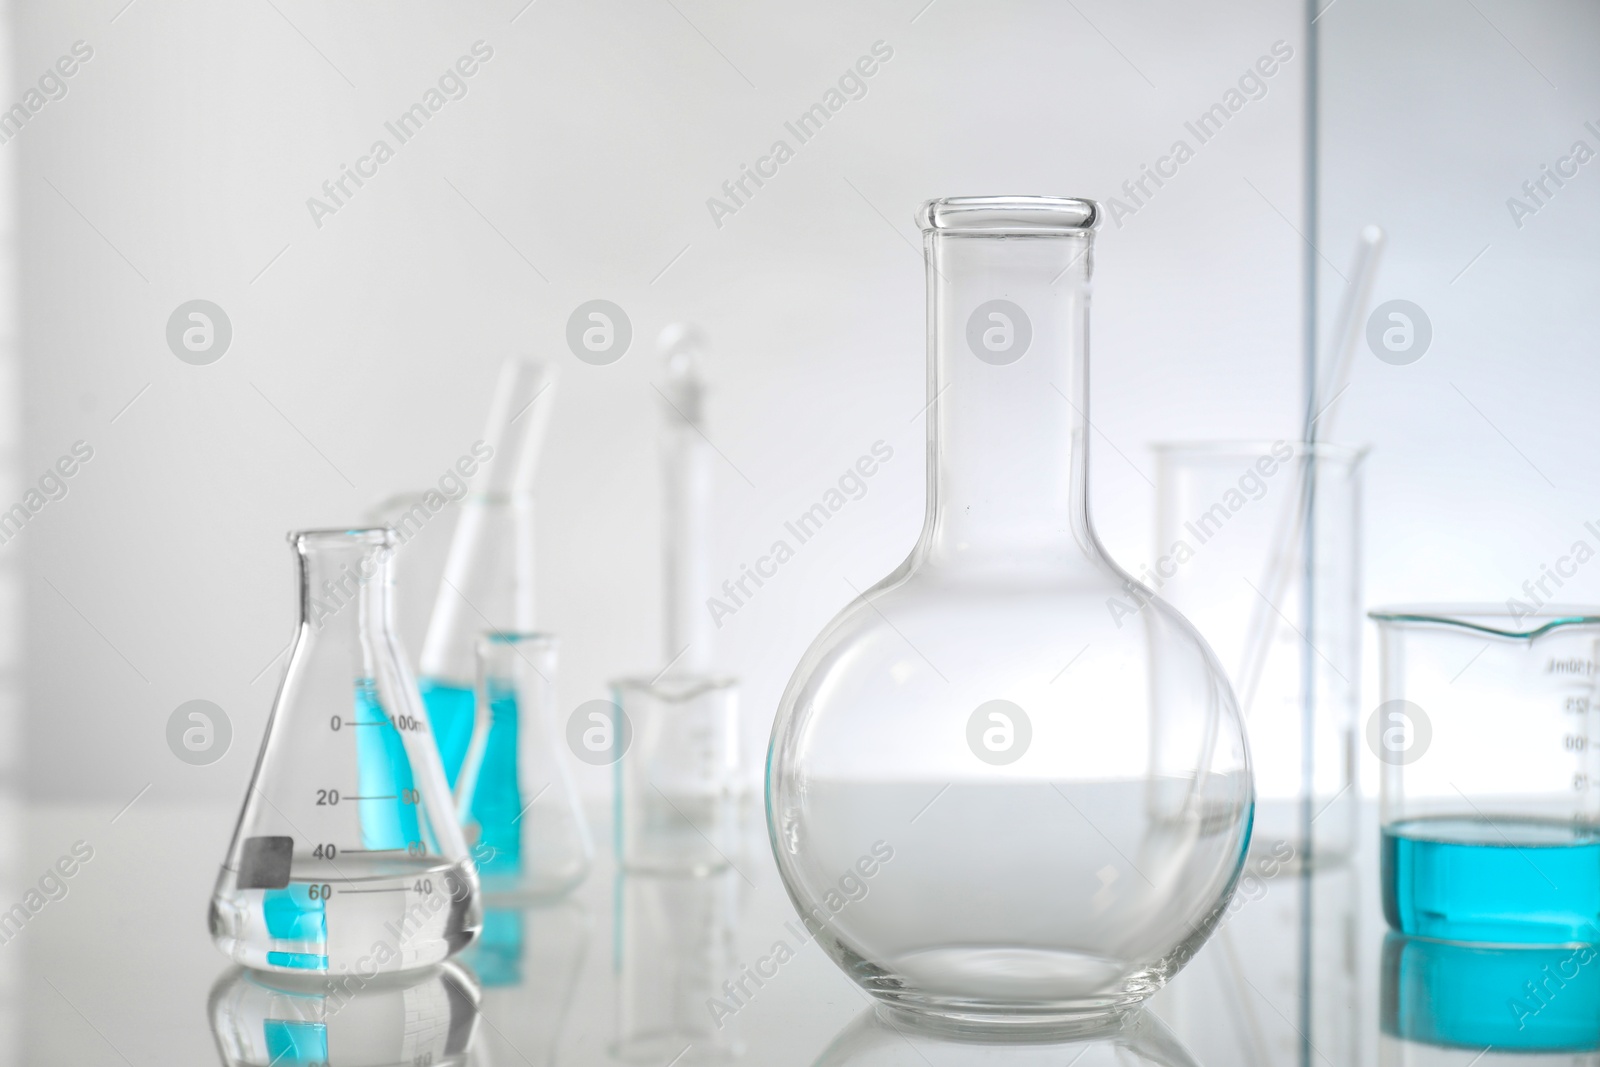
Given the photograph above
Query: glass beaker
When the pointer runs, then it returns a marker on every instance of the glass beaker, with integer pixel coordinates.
(1009, 784)
(677, 784)
(1489, 789)
(1282, 611)
(347, 855)
(533, 839)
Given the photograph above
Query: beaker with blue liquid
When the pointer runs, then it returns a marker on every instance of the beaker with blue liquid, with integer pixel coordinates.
(1489, 787)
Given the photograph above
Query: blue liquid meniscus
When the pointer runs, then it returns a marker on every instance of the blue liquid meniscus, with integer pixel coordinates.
(1500, 880)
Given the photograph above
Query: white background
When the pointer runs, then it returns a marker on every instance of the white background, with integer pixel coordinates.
(578, 166)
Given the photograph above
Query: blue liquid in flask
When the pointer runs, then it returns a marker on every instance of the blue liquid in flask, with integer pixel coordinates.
(497, 799)
(1498, 880)
(451, 711)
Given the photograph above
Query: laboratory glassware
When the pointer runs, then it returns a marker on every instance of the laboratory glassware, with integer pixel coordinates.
(1007, 784)
(677, 800)
(1280, 606)
(680, 988)
(1509, 1005)
(1489, 792)
(678, 784)
(533, 838)
(879, 1038)
(347, 855)
(488, 578)
(261, 1020)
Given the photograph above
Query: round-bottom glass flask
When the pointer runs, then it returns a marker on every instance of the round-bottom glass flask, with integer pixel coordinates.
(1007, 785)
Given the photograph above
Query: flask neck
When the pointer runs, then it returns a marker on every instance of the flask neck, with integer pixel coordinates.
(1008, 382)
(345, 585)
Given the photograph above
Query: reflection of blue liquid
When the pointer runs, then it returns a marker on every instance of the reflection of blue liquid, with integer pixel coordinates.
(388, 796)
(497, 798)
(1516, 999)
(450, 715)
(496, 957)
(295, 1042)
(1508, 881)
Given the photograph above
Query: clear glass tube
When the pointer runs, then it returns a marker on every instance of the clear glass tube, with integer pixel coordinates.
(532, 837)
(486, 589)
(488, 580)
(1009, 785)
(347, 855)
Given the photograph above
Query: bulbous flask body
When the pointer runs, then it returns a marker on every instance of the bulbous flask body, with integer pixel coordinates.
(1008, 786)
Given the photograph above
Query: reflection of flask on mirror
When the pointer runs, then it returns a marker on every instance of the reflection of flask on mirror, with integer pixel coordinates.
(347, 855)
(529, 961)
(261, 1020)
(882, 1037)
(675, 943)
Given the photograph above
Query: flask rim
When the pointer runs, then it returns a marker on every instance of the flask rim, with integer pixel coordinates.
(1009, 215)
(383, 536)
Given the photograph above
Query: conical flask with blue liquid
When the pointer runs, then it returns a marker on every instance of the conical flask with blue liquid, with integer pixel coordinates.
(347, 857)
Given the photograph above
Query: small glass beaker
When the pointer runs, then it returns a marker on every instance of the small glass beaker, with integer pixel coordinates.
(1490, 796)
(677, 785)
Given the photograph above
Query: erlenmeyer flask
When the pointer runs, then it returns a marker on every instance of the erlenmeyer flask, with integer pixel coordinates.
(534, 838)
(1007, 786)
(347, 855)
